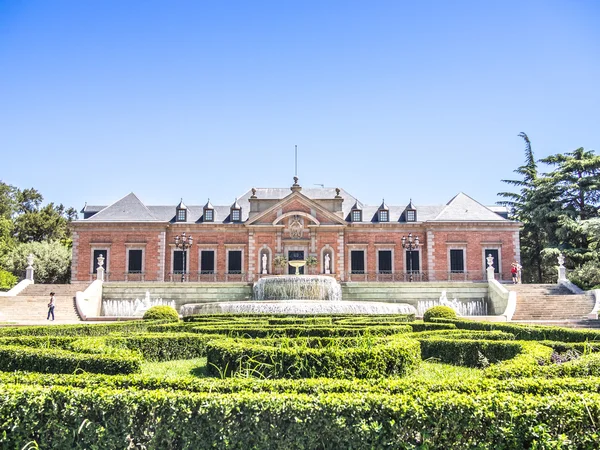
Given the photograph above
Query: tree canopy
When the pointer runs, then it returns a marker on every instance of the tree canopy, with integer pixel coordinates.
(24, 220)
(559, 210)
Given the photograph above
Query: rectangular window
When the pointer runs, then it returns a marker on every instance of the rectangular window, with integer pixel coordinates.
(385, 261)
(457, 261)
(496, 255)
(208, 215)
(356, 216)
(97, 253)
(383, 216)
(235, 215)
(357, 261)
(412, 262)
(234, 264)
(207, 261)
(135, 261)
(178, 261)
(410, 216)
(181, 215)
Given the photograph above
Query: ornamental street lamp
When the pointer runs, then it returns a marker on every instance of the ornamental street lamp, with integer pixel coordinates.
(410, 245)
(183, 244)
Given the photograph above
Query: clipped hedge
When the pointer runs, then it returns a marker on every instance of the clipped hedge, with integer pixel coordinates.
(63, 361)
(439, 312)
(532, 361)
(529, 332)
(302, 358)
(468, 352)
(164, 346)
(250, 331)
(78, 330)
(162, 312)
(63, 417)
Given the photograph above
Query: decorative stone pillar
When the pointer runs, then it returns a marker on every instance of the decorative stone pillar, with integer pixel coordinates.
(100, 269)
(490, 268)
(562, 270)
(29, 269)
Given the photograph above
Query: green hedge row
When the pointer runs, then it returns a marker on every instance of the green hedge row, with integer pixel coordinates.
(310, 386)
(532, 361)
(465, 334)
(62, 417)
(62, 361)
(78, 330)
(301, 358)
(234, 330)
(469, 352)
(529, 332)
(164, 346)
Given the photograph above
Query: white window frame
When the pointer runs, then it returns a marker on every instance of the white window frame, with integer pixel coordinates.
(102, 246)
(387, 249)
(135, 246)
(229, 249)
(449, 259)
(207, 249)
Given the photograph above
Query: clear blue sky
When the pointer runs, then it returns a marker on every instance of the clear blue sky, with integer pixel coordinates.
(198, 99)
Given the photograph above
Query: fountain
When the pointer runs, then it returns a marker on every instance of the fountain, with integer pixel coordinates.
(297, 287)
(462, 308)
(132, 308)
(297, 264)
(297, 294)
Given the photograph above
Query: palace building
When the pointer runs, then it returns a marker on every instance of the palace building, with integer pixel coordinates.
(330, 229)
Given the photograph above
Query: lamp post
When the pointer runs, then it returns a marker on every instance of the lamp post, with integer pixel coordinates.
(183, 244)
(410, 245)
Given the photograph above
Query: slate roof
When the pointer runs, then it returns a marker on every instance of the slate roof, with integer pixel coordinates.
(131, 209)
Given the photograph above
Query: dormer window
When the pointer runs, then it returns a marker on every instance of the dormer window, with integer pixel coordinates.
(236, 212)
(356, 213)
(181, 212)
(384, 212)
(410, 213)
(209, 212)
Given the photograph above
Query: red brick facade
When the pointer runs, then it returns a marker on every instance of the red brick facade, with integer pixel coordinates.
(318, 230)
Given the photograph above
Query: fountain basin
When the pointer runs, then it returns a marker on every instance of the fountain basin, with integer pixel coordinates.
(297, 287)
(297, 307)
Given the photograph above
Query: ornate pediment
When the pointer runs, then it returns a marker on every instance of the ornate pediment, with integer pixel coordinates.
(296, 204)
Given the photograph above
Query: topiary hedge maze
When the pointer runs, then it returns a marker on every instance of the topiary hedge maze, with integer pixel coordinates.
(281, 382)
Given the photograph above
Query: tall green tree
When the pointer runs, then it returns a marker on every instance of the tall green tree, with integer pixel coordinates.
(576, 183)
(531, 205)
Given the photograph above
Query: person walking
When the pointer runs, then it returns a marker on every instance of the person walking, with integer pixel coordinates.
(51, 306)
(514, 271)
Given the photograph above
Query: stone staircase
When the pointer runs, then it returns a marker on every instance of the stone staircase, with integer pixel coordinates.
(550, 302)
(32, 303)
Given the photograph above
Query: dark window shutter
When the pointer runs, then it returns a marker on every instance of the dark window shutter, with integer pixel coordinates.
(98, 253)
(135, 261)
(207, 261)
(494, 252)
(413, 262)
(357, 259)
(178, 257)
(235, 261)
(457, 262)
(385, 261)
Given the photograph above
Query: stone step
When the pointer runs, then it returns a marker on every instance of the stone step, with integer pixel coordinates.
(58, 289)
(36, 307)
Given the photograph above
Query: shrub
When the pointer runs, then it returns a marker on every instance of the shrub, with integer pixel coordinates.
(61, 361)
(164, 312)
(587, 276)
(52, 261)
(7, 280)
(442, 312)
(310, 358)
